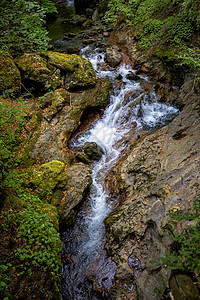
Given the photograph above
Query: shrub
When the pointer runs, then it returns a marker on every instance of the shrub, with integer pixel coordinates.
(22, 25)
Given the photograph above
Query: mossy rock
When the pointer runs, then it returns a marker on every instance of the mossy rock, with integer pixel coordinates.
(78, 71)
(9, 74)
(34, 68)
(55, 101)
(48, 175)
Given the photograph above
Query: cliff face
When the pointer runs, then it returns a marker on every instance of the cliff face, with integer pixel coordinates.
(159, 174)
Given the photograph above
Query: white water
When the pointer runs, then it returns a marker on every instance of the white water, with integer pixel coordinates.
(109, 133)
(121, 115)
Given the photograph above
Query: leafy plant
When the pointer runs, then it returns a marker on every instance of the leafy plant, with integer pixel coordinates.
(22, 25)
(155, 24)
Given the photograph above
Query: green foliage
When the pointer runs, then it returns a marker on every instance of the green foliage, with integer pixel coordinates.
(22, 25)
(167, 24)
(36, 243)
(14, 116)
(184, 251)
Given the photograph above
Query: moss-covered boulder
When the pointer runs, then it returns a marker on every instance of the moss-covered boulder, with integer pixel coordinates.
(37, 73)
(48, 176)
(53, 70)
(9, 74)
(62, 186)
(78, 71)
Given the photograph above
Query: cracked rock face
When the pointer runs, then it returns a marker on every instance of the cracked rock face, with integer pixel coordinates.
(160, 173)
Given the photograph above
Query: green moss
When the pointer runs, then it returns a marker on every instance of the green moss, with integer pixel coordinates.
(9, 74)
(48, 176)
(80, 68)
(34, 67)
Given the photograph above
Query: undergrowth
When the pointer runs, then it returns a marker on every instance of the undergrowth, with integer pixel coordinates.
(168, 26)
(29, 239)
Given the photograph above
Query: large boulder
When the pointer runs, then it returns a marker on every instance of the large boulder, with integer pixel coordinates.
(62, 186)
(78, 71)
(9, 74)
(36, 73)
(53, 70)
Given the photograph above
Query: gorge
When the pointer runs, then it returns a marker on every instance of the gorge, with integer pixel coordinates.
(111, 150)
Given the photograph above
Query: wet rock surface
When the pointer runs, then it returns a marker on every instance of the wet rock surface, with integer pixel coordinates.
(113, 56)
(93, 151)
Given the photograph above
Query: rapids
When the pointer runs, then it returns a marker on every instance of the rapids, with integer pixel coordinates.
(88, 268)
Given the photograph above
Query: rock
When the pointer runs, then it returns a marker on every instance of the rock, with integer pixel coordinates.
(93, 151)
(38, 73)
(106, 34)
(72, 50)
(113, 56)
(55, 101)
(182, 287)
(132, 76)
(78, 71)
(79, 181)
(83, 157)
(10, 77)
(95, 15)
(65, 187)
(160, 173)
(89, 12)
(89, 41)
(55, 70)
(62, 112)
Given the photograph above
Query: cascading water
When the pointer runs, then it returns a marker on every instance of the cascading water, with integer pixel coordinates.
(130, 107)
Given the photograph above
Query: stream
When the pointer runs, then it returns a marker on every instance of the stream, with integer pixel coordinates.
(88, 272)
(86, 267)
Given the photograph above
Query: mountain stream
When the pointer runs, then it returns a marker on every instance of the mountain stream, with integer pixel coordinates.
(86, 267)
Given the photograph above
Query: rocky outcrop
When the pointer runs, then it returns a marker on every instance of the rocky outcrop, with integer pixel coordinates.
(161, 173)
(62, 186)
(9, 74)
(62, 112)
(113, 56)
(53, 70)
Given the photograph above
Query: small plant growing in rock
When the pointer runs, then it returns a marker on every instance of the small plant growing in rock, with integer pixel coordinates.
(184, 251)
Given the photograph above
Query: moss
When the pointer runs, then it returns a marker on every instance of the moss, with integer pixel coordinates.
(9, 74)
(47, 177)
(63, 61)
(80, 68)
(33, 66)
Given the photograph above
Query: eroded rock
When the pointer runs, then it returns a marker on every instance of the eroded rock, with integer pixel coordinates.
(93, 151)
(160, 174)
(62, 112)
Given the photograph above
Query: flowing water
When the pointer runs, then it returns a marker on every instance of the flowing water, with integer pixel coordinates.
(86, 267)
